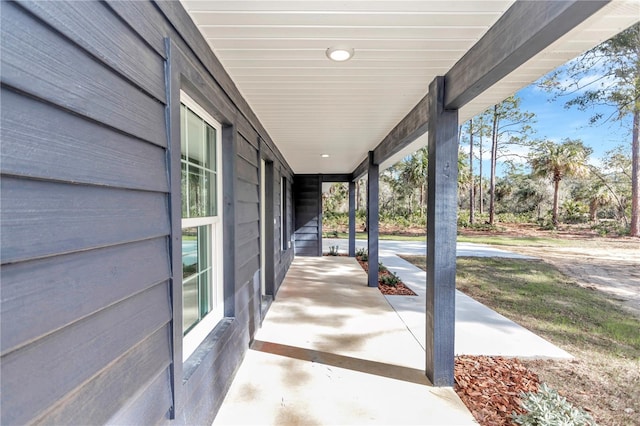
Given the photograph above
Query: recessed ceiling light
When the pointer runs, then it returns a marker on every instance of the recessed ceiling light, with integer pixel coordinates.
(324, 155)
(339, 54)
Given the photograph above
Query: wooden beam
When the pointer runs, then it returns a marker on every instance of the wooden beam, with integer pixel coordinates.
(361, 170)
(373, 211)
(412, 126)
(524, 30)
(441, 237)
(337, 177)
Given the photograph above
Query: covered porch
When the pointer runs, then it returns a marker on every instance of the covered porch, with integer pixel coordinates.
(419, 70)
(332, 350)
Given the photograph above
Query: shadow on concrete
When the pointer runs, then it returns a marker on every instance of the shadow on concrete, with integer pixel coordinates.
(381, 369)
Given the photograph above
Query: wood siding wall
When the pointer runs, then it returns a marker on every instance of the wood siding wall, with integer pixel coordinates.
(307, 193)
(89, 318)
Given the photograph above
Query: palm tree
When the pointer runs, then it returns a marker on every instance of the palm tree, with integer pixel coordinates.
(557, 161)
(599, 196)
(414, 173)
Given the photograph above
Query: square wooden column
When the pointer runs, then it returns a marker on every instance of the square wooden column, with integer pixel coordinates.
(373, 210)
(352, 219)
(441, 236)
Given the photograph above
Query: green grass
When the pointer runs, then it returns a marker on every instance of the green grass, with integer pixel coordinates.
(363, 236)
(539, 297)
(480, 239)
(513, 241)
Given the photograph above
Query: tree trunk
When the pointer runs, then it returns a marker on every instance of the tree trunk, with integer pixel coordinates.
(556, 190)
(480, 195)
(593, 211)
(471, 184)
(635, 174)
(494, 153)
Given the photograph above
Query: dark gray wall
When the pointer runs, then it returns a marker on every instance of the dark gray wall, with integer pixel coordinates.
(307, 195)
(88, 241)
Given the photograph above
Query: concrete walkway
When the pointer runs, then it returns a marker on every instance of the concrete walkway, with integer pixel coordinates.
(332, 351)
(479, 330)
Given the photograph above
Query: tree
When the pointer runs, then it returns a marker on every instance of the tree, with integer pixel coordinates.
(520, 192)
(509, 126)
(557, 161)
(608, 75)
(413, 171)
(470, 131)
(482, 131)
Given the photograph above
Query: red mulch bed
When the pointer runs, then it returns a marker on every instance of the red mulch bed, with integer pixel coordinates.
(400, 289)
(491, 386)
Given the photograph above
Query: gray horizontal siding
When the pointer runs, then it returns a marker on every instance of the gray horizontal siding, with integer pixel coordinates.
(84, 220)
(58, 144)
(308, 220)
(121, 49)
(90, 344)
(50, 281)
(39, 61)
(150, 404)
(247, 171)
(85, 225)
(116, 386)
(41, 219)
(248, 231)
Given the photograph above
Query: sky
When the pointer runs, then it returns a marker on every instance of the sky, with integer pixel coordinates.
(555, 122)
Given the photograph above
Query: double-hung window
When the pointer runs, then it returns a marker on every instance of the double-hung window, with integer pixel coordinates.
(202, 286)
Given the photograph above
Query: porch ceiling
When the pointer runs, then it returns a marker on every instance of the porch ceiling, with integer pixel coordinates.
(275, 53)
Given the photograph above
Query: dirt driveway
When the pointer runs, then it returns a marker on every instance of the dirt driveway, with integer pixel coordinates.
(608, 265)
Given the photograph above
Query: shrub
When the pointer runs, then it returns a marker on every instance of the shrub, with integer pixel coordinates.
(575, 212)
(508, 217)
(606, 227)
(547, 407)
(333, 251)
(390, 279)
(362, 254)
(381, 267)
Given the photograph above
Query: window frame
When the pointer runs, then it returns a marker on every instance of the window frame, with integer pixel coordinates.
(197, 334)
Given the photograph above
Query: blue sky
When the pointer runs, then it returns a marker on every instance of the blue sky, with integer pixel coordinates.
(555, 122)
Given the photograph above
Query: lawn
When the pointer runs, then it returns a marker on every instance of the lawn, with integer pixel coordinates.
(605, 377)
(498, 240)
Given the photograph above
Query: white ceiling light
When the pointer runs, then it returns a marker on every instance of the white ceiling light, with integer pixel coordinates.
(324, 155)
(339, 54)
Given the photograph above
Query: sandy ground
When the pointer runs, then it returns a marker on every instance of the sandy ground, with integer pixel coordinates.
(608, 265)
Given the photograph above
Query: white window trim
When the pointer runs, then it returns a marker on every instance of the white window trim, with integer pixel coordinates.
(199, 332)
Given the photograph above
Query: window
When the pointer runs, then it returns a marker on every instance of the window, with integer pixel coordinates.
(202, 286)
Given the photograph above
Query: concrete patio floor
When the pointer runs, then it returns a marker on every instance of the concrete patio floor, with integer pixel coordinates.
(332, 351)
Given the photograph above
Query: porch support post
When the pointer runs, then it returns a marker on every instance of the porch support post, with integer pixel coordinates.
(441, 236)
(352, 219)
(372, 219)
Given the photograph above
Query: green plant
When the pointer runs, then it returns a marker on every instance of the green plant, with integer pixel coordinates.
(606, 227)
(547, 407)
(362, 254)
(575, 211)
(333, 251)
(390, 279)
(381, 267)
